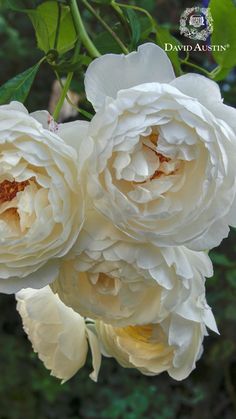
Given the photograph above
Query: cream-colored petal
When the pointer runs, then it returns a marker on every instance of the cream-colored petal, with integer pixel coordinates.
(58, 334)
(42, 203)
(43, 117)
(187, 187)
(96, 352)
(109, 74)
(43, 276)
(73, 133)
(199, 87)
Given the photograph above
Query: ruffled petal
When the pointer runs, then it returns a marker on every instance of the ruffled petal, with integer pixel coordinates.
(199, 87)
(112, 72)
(43, 276)
(58, 334)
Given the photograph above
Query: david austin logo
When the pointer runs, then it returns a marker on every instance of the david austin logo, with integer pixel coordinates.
(196, 23)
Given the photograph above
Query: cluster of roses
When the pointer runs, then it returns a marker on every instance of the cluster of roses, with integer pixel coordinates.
(105, 226)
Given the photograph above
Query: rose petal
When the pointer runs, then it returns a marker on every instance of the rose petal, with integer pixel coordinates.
(112, 72)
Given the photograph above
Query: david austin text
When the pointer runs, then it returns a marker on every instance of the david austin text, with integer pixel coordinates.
(197, 47)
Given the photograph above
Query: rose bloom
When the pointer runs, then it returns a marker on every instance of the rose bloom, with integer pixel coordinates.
(41, 203)
(173, 345)
(123, 282)
(163, 167)
(58, 334)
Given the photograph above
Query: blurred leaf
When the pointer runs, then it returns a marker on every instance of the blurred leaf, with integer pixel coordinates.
(71, 65)
(45, 19)
(19, 5)
(105, 43)
(163, 37)
(221, 351)
(135, 27)
(224, 20)
(230, 312)
(138, 402)
(146, 27)
(198, 395)
(77, 85)
(220, 259)
(222, 74)
(148, 5)
(19, 86)
(231, 277)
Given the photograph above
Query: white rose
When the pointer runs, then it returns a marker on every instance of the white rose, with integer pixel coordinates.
(58, 334)
(123, 282)
(41, 203)
(164, 164)
(173, 345)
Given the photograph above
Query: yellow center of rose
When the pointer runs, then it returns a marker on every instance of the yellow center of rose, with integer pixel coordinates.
(9, 189)
(149, 334)
(140, 333)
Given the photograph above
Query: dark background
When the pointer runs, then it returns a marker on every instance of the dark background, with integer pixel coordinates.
(26, 389)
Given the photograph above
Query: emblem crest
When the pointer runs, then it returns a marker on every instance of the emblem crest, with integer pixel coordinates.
(196, 23)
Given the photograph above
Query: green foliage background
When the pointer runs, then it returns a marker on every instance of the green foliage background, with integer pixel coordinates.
(26, 389)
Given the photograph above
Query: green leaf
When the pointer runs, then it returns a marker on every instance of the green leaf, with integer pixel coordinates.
(149, 5)
(19, 86)
(224, 20)
(19, 5)
(230, 312)
(66, 66)
(146, 27)
(222, 350)
(45, 20)
(231, 277)
(220, 259)
(163, 37)
(105, 43)
(135, 27)
(222, 74)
